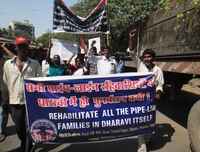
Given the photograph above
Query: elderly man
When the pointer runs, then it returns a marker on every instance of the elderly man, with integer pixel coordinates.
(14, 72)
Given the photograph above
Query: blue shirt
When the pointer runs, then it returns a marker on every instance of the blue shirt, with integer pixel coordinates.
(56, 70)
(120, 66)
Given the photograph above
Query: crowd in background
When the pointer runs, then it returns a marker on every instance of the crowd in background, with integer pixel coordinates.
(88, 63)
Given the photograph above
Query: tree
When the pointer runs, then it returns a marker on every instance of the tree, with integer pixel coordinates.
(45, 38)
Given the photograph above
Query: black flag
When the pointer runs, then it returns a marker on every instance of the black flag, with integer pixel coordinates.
(64, 20)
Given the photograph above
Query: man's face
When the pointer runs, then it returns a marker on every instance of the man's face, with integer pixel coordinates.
(105, 53)
(56, 59)
(78, 62)
(94, 51)
(23, 51)
(147, 59)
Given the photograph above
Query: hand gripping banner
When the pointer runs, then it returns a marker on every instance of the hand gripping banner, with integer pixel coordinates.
(90, 108)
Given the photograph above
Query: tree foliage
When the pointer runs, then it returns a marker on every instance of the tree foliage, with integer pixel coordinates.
(45, 38)
(122, 14)
(119, 12)
(168, 4)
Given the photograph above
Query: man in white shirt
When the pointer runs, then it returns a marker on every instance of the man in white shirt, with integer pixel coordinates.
(106, 64)
(15, 70)
(145, 63)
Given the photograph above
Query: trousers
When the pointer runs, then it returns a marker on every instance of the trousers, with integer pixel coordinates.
(18, 114)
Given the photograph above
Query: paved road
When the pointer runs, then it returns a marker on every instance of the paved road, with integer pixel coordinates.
(170, 136)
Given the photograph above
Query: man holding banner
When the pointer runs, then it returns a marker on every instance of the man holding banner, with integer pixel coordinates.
(145, 63)
(14, 72)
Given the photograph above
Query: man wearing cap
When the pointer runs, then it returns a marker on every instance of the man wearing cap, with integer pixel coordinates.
(15, 70)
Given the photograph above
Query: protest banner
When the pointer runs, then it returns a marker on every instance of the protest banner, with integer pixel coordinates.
(90, 108)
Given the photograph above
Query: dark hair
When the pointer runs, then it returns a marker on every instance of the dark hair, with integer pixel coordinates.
(149, 51)
(22, 47)
(56, 56)
(80, 57)
(94, 48)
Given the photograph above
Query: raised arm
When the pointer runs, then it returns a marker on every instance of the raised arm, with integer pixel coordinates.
(48, 59)
(7, 51)
(70, 59)
(132, 35)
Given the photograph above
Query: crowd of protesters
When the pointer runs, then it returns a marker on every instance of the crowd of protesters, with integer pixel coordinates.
(91, 62)
(88, 63)
(20, 66)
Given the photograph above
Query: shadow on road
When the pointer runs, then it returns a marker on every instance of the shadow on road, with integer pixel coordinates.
(179, 108)
(128, 145)
(15, 150)
(10, 130)
(163, 134)
(119, 146)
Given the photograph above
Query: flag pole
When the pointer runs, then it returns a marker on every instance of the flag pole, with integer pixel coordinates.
(108, 30)
(49, 37)
(48, 53)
